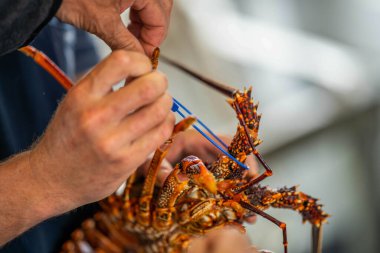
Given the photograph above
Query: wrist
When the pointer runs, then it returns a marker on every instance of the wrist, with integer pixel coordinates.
(23, 203)
(49, 196)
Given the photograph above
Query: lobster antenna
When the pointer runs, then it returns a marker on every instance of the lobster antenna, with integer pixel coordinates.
(222, 88)
(316, 239)
(46, 63)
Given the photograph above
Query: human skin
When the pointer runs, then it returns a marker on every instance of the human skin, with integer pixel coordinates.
(146, 31)
(96, 139)
(225, 240)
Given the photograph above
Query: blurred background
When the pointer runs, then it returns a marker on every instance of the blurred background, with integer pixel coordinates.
(313, 66)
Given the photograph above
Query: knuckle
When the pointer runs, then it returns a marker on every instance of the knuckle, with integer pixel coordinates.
(154, 85)
(105, 149)
(141, 59)
(124, 160)
(89, 120)
(144, 94)
(161, 80)
(85, 123)
(147, 91)
(115, 109)
(122, 57)
(137, 60)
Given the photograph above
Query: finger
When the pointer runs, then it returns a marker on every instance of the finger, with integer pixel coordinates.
(117, 36)
(135, 29)
(115, 68)
(151, 38)
(125, 4)
(199, 245)
(229, 239)
(154, 21)
(167, 6)
(147, 143)
(138, 93)
(141, 121)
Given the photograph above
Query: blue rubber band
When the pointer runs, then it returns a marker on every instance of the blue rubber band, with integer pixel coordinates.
(205, 135)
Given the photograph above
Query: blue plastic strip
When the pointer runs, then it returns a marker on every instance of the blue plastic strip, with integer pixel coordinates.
(201, 123)
(176, 109)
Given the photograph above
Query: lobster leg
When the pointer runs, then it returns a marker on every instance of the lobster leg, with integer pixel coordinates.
(126, 196)
(46, 63)
(98, 239)
(280, 224)
(128, 187)
(69, 247)
(143, 214)
(115, 232)
(178, 243)
(79, 242)
(239, 189)
(291, 198)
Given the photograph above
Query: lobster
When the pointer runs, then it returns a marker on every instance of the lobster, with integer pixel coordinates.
(196, 197)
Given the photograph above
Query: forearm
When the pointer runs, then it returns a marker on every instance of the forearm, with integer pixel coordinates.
(21, 20)
(23, 203)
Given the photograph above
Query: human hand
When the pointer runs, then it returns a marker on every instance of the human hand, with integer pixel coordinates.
(147, 30)
(224, 240)
(190, 142)
(97, 137)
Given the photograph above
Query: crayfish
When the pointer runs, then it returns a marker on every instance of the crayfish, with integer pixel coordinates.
(196, 197)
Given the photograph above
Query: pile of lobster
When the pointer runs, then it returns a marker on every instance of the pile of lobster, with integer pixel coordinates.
(195, 198)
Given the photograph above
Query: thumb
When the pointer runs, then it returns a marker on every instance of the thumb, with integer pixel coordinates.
(121, 38)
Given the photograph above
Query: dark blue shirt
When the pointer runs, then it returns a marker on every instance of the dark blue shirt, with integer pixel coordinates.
(28, 98)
